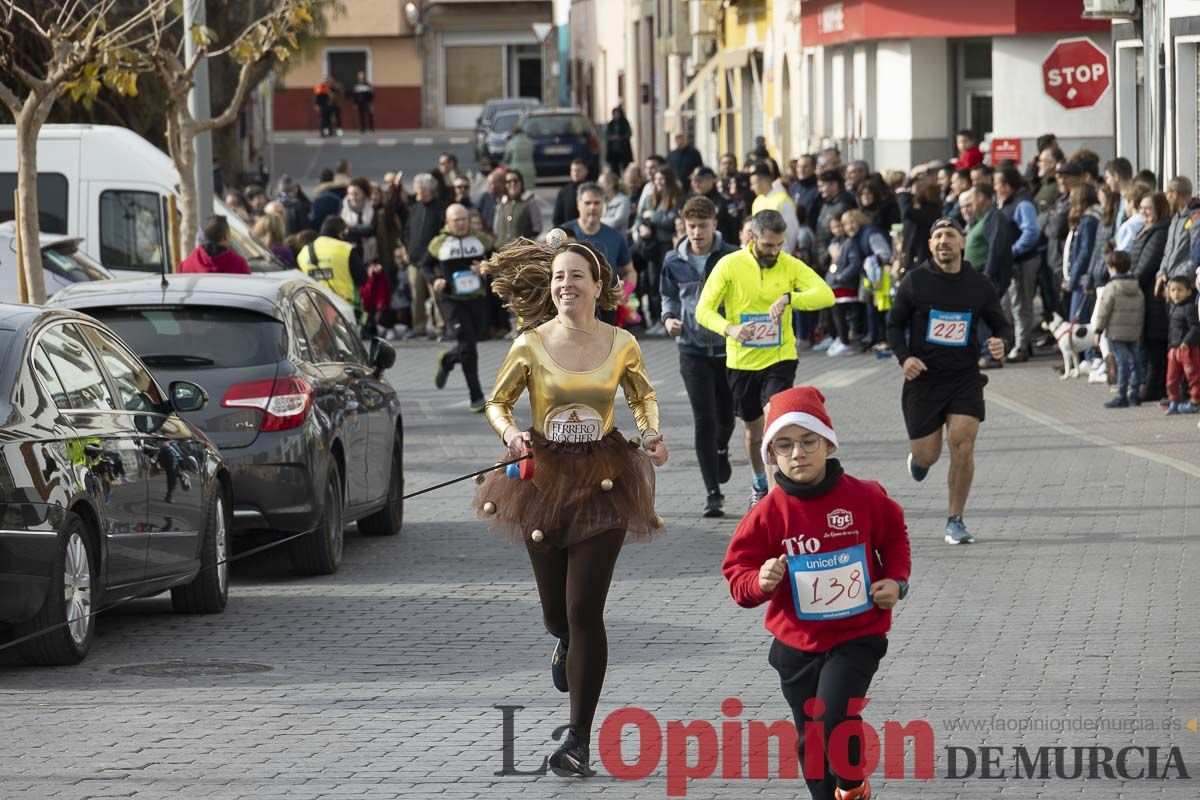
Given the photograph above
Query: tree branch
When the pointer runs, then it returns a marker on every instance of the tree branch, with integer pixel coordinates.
(10, 99)
(28, 18)
(235, 105)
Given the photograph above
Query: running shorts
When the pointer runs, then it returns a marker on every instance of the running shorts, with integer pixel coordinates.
(752, 390)
(927, 402)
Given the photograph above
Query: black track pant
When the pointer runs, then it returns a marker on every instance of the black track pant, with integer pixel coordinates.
(707, 385)
(466, 321)
(834, 677)
(848, 320)
(573, 587)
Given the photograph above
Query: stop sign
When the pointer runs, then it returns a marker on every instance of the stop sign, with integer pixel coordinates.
(1075, 73)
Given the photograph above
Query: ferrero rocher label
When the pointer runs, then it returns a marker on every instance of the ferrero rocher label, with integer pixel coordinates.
(574, 423)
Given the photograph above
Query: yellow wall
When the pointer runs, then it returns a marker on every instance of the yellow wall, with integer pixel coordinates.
(369, 18)
(745, 24)
(394, 62)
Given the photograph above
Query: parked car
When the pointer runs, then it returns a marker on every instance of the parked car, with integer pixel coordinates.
(561, 135)
(110, 186)
(107, 493)
(308, 427)
(493, 107)
(63, 263)
(498, 132)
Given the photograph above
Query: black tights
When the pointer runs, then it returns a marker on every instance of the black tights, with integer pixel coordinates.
(573, 586)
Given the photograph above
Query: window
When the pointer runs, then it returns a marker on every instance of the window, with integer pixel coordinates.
(52, 200)
(197, 336)
(82, 382)
(555, 125)
(49, 378)
(131, 235)
(137, 390)
(320, 343)
(347, 344)
(474, 74)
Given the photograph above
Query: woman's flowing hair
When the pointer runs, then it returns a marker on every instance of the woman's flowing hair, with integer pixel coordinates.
(521, 274)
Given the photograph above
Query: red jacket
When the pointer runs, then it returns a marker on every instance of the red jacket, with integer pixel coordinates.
(213, 258)
(850, 513)
(971, 157)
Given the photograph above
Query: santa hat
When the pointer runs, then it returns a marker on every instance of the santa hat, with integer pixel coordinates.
(800, 405)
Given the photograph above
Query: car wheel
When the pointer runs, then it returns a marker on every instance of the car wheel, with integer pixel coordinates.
(69, 602)
(388, 520)
(320, 551)
(209, 590)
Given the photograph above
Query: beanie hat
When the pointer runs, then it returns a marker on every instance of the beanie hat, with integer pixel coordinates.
(800, 405)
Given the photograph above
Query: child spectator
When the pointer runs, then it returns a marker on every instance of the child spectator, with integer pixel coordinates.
(1119, 315)
(829, 555)
(1183, 339)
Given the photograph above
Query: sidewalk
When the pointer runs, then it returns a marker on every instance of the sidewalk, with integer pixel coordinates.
(390, 138)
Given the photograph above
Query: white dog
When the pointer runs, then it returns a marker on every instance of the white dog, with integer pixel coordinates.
(1074, 338)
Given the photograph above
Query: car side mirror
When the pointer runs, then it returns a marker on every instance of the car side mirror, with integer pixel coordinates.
(187, 396)
(383, 356)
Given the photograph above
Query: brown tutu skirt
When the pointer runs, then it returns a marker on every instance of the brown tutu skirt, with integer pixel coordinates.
(566, 499)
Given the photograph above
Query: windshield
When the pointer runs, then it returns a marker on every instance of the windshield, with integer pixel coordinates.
(258, 257)
(505, 122)
(73, 266)
(197, 336)
(556, 125)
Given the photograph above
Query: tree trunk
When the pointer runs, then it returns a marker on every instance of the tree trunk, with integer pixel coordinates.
(29, 123)
(181, 144)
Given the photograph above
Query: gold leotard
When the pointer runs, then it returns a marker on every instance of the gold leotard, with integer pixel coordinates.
(568, 405)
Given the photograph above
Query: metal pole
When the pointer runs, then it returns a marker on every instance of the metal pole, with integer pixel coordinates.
(198, 104)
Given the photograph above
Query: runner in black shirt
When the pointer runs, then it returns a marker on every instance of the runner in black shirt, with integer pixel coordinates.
(933, 330)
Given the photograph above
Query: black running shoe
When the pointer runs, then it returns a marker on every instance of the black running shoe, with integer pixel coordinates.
(714, 506)
(558, 666)
(724, 468)
(443, 371)
(571, 758)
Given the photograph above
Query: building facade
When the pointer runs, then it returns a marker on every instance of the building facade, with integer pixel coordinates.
(891, 83)
(1157, 87)
(372, 36)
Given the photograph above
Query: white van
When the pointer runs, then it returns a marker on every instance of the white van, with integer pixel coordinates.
(109, 187)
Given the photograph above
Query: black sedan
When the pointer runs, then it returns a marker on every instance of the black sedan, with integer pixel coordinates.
(105, 493)
(308, 427)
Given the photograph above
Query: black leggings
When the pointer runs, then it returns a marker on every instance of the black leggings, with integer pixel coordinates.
(467, 321)
(573, 587)
(848, 319)
(707, 385)
(843, 673)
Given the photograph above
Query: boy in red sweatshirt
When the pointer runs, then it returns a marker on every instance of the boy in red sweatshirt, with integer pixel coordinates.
(829, 555)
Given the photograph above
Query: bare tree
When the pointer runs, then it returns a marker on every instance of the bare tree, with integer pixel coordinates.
(273, 36)
(87, 45)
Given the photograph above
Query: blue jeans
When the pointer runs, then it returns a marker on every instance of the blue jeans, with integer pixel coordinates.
(1131, 365)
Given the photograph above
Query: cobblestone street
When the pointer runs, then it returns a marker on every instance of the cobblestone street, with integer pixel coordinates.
(1070, 611)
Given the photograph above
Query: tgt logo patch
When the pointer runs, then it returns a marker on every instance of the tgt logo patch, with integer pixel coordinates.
(840, 518)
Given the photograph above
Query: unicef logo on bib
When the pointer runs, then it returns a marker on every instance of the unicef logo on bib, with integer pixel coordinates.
(574, 423)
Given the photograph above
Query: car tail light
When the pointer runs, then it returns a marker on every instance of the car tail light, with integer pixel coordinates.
(284, 401)
(593, 143)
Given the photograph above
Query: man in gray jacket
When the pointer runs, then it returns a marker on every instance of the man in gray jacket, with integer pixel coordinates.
(1185, 219)
(701, 352)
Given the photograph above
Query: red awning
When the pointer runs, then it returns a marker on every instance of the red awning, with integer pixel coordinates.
(829, 22)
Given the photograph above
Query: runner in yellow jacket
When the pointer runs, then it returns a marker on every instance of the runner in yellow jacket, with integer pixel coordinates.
(758, 286)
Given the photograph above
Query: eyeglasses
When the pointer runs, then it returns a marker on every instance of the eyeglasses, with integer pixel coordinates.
(807, 445)
(512, 181)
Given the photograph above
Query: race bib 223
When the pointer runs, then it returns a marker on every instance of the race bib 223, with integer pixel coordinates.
(948, 328)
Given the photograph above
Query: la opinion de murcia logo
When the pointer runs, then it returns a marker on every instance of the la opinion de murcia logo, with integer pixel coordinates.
(840, 518)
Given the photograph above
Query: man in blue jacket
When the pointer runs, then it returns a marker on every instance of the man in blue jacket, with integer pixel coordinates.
(1017, 206)
(701, 351)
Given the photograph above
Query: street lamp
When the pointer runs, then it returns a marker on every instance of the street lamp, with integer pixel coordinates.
(413, 14)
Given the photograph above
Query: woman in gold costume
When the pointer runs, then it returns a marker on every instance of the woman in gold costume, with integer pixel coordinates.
(591, 487)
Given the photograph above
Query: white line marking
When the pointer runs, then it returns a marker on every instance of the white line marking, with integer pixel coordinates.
(314, 142)
(1092, 438)
(460, 140)
(841, 378)
(388, 142)
(351, 142)
(422, 140)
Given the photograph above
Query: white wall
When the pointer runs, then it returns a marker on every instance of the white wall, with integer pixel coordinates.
(1021, 108)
